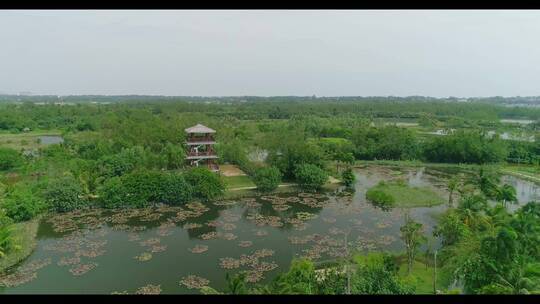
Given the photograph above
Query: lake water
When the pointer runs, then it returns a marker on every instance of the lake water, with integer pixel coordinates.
(51, 139)
(103, 251)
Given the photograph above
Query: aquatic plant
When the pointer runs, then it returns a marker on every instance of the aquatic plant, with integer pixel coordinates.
(17, 278)
(198, 249)
(209, 235)
(192, 225)
(193, 281)
(81, 269)
(149, 290)
(228, 226)
(261, 232)
(150, 242)
(245, 244)
(158, 248)
(229, 263)
(305, 216)
(66, 261)
(143, 257)
(229, 236)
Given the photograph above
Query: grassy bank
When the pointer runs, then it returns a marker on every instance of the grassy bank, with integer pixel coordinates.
(407, 197)
(25, 238)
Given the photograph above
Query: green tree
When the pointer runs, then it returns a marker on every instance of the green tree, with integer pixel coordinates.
(412, 236)
(506, 194)
(375, 275)
(450, 228)
(9, 159)
(175, 156)
(22, 205)
(267, 178)
(236, 284)
(310, 176)
(348, 177)
(7, 242)
(299, 279)
(65, 194)
(452, 186)
(206, 184)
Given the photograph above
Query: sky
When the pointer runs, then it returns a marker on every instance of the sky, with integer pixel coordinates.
(436, 53)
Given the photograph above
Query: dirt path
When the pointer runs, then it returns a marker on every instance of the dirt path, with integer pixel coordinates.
(254, 187)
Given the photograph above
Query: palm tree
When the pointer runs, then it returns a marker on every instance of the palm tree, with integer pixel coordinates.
(523, 279)
(486, 180)
(452, 186)
(236, 284)
(507, 193)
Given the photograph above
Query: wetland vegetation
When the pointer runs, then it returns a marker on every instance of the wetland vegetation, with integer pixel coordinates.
(317, 196)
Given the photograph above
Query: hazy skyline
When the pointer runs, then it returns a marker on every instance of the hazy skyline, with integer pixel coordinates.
(225, 53)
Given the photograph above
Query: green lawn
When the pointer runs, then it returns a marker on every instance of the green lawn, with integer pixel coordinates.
(421, 276)
(407, 197)
(25, 238)
(238, 181)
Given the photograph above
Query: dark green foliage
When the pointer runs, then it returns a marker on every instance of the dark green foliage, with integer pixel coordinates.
(310, 176)
(9, 159)
(466, 147)
(206, 184)
(65, 194)
(22, 205)
(450, 228)
(267, 178)
(380, 198)
(7, 242)
(348, 177)
(378, 279)
(236, 284)
(294, 154)
(144, 188)
(390, 143)
(124, 162)
(299, 279)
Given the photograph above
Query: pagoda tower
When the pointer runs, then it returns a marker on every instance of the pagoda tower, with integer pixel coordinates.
(200, 142)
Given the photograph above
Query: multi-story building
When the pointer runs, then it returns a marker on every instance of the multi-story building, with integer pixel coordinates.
(200, 142)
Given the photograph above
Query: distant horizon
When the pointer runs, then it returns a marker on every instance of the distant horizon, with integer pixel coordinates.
(265, 96)
(439, 53)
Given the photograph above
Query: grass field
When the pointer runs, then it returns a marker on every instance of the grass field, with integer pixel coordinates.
(238, 181)
(27, 140)
(422, 277)
(408, 197)
(25, 238)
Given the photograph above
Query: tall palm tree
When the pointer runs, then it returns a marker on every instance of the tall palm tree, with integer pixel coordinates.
(236, 284)
(452, 186)
(506, 194)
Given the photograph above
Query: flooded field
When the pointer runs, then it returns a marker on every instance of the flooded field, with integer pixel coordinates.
(180, 249)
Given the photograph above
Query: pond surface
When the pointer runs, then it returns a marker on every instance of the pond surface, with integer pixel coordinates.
(104, 251)
(51, 139)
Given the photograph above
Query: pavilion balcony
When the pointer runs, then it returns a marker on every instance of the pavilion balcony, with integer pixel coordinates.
(201, 155)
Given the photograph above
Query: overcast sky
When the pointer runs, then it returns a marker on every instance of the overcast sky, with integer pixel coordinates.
(218, 53)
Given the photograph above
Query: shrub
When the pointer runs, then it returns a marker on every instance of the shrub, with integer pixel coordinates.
(141, 189)
(310, 176)
(124, 162)
(22, 205)
(267, 179)
(64, 194)
(7, 242)
(9, 159)
(206, 184)
(380, 198)
(348, 177)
